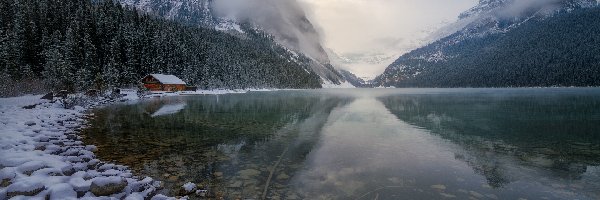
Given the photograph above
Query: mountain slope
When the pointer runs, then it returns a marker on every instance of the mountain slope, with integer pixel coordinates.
(546, 44)
(80, 45)
(284, 20)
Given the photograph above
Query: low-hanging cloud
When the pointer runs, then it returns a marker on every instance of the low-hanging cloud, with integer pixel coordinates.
(284, 19)
(517, 8)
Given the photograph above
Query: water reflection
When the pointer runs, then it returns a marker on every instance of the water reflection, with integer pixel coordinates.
(226, 143)
(169, 109)
(364, 144)
(523, 138)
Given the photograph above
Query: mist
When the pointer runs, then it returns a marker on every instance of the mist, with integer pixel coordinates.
(284, 19)
(518, 8)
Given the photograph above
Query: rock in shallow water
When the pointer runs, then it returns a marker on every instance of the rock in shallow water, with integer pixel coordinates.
(282, 176)
(248, 173)
(439, 187)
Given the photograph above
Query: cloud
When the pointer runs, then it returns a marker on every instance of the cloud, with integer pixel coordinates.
(285, 19)
(388, 27)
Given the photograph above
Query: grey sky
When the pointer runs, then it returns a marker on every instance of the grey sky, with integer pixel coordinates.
(389, 27)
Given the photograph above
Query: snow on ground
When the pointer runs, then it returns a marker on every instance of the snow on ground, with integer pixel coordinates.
(42, 155)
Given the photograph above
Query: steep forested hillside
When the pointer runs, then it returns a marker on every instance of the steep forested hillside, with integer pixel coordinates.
(285, 21)
(561, 49)
(77, 45)
(353, 79)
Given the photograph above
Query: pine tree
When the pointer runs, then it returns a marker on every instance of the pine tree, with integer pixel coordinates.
(57, 68)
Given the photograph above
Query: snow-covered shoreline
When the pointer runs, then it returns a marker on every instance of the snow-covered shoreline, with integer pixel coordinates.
(42, 155)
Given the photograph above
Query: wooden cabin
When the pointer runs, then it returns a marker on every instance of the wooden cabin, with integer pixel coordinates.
(162, 82)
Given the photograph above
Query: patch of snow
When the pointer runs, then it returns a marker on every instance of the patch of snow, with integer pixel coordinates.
(62, 191)
(229, 25)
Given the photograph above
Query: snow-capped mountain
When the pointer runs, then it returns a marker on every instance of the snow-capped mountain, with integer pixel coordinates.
(482, 26)
(284, 20)
(366, 62)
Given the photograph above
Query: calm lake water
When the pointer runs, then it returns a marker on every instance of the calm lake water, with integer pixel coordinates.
(363, 143)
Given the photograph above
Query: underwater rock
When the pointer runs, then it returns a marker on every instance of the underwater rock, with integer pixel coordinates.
(476, 194)
(248, 173)
(446, 195)
(438, 187)
(235, 184)
(491, 196)
(282, 176)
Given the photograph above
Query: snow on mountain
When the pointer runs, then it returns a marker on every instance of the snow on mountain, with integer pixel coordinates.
(487, 18)
(284, 20)
(367, 64)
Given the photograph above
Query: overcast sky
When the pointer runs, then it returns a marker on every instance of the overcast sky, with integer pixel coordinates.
(379, 26)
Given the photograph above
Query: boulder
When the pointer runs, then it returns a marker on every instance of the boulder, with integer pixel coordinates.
(49, 96)
(106, 186)
(24, 188)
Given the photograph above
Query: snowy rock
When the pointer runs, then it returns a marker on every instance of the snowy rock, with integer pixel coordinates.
(91, 148)
(189, 187)
(67, 170)
(105, 186)
(6, 175)
(161, 197)
(47, 172)
(79, 184)
(30, 167)
(25, 188)
(62, 191)
(134, 196)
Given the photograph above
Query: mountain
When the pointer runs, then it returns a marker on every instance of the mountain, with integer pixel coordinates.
(353, 79)
(508, 43)
(285, 21)
(81, 45)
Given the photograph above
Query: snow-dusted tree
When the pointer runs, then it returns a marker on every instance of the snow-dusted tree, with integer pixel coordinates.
(58, 70)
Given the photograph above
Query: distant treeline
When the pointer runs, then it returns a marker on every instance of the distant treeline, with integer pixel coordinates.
(563, 50)
(78, 45)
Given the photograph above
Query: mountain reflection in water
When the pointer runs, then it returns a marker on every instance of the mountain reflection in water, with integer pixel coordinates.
(364, 144)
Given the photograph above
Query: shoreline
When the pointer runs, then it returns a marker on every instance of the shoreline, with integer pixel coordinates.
(42, 154)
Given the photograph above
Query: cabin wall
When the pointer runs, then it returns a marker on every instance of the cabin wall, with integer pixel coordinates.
(165, 87)
(153, 86)
(173, 87)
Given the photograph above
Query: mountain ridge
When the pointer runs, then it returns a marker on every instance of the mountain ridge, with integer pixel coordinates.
(445, 62)
(292, 31)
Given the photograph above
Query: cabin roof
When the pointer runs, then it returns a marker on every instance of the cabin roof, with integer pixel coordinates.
(168, 79)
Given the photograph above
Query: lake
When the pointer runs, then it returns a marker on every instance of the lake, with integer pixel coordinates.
(363, 143)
